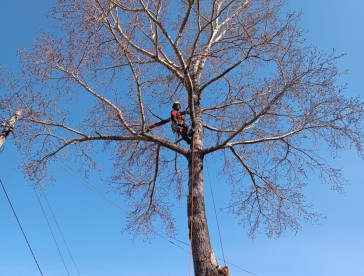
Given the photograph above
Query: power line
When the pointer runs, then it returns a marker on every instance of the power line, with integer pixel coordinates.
(187, 252)
(180, 247)
(50, 229)
(157, 231)
(91, 187)
(21, 228)
(242, 269)
(59, 229)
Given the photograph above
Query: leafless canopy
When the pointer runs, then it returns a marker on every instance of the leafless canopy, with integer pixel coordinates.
(107, 77)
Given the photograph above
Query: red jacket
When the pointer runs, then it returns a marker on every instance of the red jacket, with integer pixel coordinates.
(177, 118)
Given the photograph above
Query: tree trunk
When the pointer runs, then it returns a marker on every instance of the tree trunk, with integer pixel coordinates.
(9, 126)
(204, 260)
(201, 247)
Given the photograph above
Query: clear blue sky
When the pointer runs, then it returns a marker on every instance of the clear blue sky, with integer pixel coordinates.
(93, 228)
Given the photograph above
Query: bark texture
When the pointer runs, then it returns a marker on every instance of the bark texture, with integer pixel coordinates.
(198, 228)
(9, 126)
(204, 260)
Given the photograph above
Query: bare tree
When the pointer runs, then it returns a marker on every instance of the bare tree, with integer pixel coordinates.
(259, 97)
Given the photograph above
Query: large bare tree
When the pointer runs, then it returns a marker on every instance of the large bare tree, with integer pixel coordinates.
(259, 98)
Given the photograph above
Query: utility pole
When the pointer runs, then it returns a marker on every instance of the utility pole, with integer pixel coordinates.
(9, 126)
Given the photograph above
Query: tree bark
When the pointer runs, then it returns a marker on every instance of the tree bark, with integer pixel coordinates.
(9, 126)
(200, 239)
(204, 260)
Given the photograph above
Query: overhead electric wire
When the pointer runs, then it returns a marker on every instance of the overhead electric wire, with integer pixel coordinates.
(180, 247)
(21, 228)
(242, 269)
(186, 251)
(50, 229)
(60, 231)
(92, 188)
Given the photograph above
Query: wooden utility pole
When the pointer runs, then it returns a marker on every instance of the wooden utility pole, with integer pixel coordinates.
(9, 126)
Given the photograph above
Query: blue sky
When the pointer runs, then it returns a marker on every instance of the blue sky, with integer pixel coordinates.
(93, 227)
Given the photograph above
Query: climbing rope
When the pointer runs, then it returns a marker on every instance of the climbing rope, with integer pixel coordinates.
(192, 181)
(217, 220)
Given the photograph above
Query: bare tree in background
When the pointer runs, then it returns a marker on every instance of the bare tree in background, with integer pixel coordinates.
(259, 97)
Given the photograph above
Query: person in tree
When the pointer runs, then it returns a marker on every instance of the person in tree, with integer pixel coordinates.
(179, 123)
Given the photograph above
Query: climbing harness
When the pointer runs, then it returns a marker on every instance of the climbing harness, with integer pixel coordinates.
(179, 125)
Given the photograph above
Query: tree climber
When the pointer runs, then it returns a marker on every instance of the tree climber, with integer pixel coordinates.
(178, 123)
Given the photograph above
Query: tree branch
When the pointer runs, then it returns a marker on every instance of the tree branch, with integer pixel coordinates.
(226, 70)
(250, 122)
(155, 177)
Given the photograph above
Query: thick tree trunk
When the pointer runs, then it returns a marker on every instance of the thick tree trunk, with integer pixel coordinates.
(201, 246)
(204, 260)
(9, 126)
